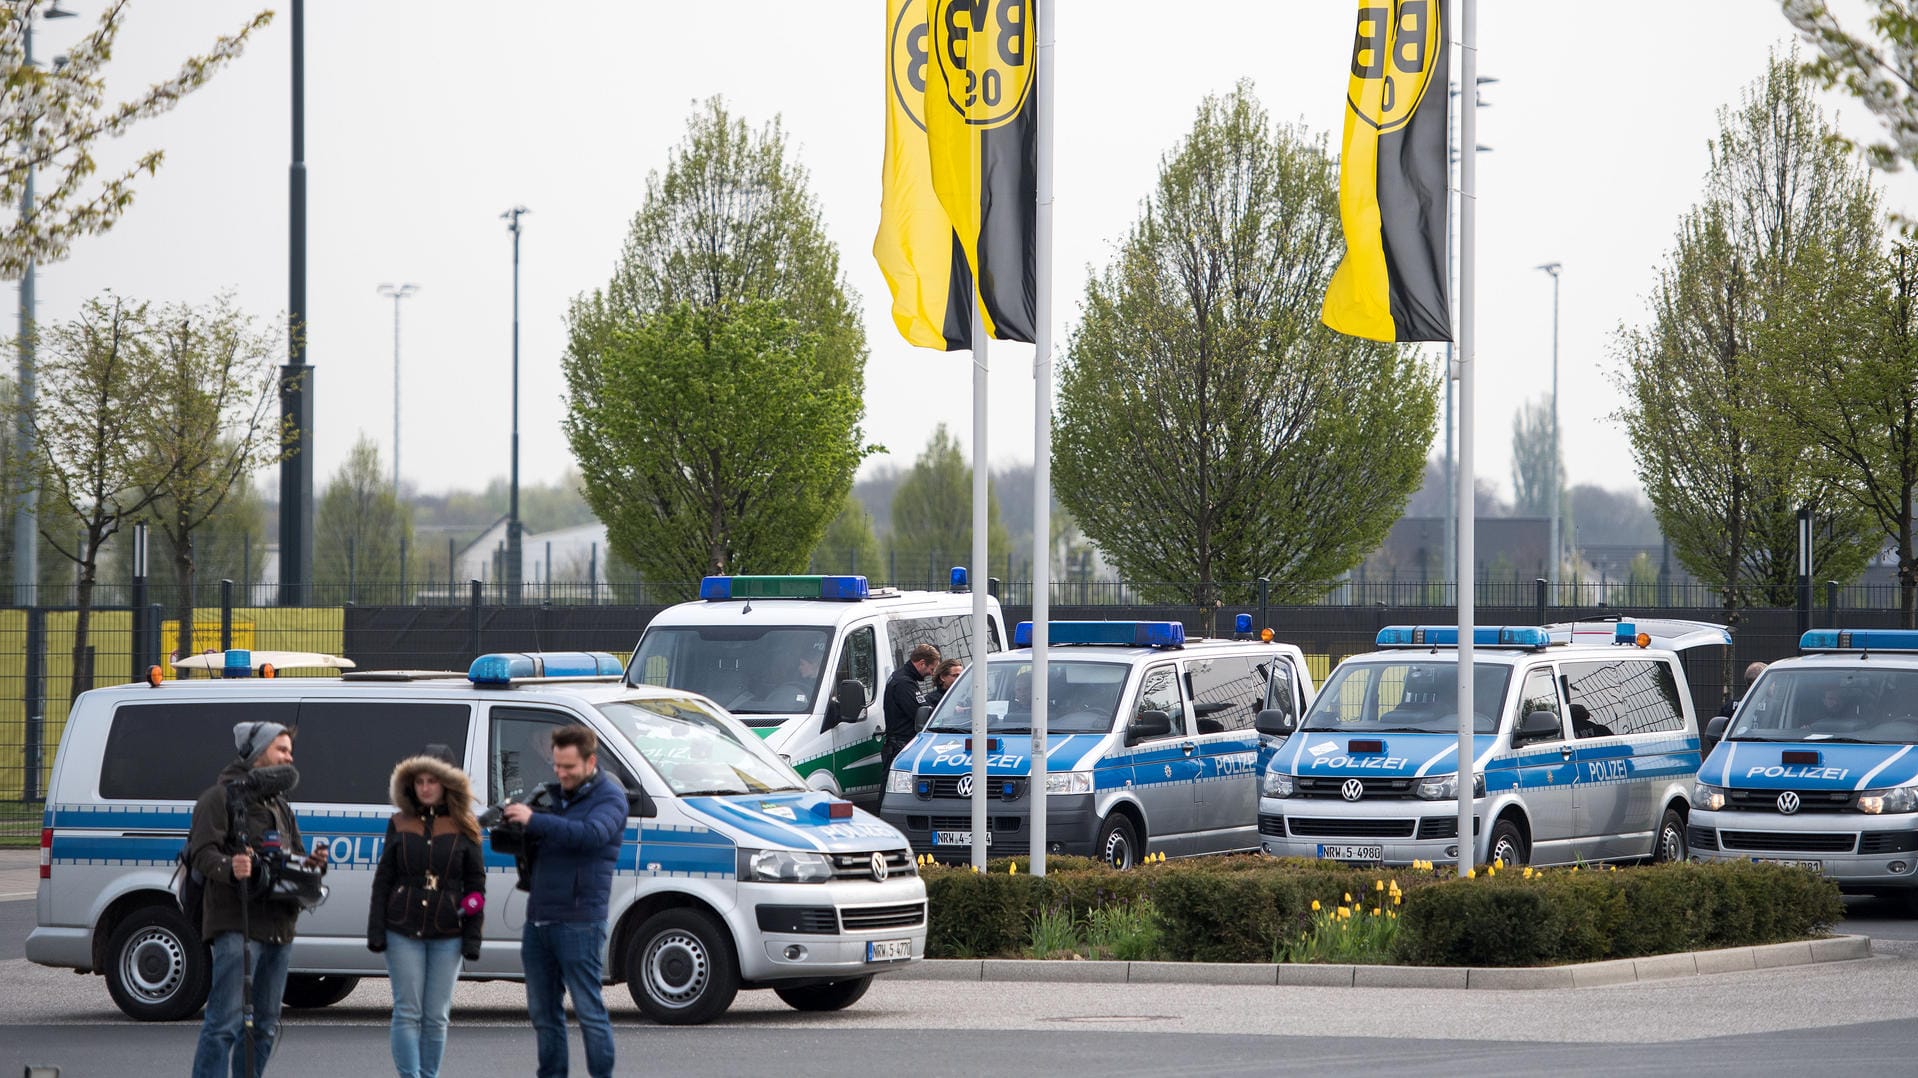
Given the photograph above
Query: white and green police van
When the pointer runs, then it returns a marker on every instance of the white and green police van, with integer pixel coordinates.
(1582, 751)
(733, 873)
(1153, 744)
(1819, 765)
(763, 647)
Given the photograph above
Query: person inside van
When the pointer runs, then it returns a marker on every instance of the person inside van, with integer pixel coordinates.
(796, 691)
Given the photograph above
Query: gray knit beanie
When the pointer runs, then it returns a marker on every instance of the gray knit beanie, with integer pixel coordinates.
(252, 738)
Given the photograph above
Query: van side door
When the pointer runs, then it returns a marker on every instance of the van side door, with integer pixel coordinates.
(1605, 798)
(857, 739)
(1641, 751)
(1164, 769)
(1226, 692)
(1546, 772)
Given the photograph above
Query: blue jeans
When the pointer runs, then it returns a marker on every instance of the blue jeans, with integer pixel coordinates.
(222, 1046)
(422, 973)
(567, 954)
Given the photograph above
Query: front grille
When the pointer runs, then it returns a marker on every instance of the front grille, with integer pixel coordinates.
(1788, 841)
(1310, 827)
(1438, 827)
(1271, 825)
(1329, 786)
(996, 787)
(1808, 800)
(858, 866)
(798, 920)
(1888, 841)
(1701, 838)
(869, 918)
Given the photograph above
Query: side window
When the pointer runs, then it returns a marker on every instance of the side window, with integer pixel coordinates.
(522, 752)
(950, 633)
(1647, 699)
(172, 751)
(346, 749)
(859, 661)
(1542, 695)
(1282, 691)
(1226, 691)
(1591, 691)
(1160, 692)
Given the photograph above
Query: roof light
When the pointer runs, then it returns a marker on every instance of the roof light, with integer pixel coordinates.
(1133, 634)
(155, 676)
(503, 668)
(237, 663)
(1859, 640)
(842, 588)
(959, 578)
(1446, 636)
(1242, 624)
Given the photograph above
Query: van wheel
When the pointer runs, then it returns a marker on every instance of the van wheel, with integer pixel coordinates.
(317, 989)
(157, 968)
(680, 968)
(1118, 844)
(831, 996)
(1507, 846)
(1671, 839)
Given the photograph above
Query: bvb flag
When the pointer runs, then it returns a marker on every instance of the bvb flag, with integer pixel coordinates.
(916, 247)
(1393, 172)
(982, 128)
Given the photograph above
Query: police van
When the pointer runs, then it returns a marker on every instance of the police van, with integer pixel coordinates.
(733, 873)
(1819, 765)
(1151, 745)
(761, 646)
(1582, 751)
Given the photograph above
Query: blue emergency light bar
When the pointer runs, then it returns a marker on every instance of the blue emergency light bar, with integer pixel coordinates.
(838, 588)
(959, 578)
(238, 662)
(1446, 636)
(503, 668)
(1131, 634)
(1242, 624)
(1859, 640)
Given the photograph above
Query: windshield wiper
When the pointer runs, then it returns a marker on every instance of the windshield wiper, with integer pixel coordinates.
(1404, 730)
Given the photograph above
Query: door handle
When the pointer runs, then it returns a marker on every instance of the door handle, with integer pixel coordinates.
(1189, 747)
(1565, 752)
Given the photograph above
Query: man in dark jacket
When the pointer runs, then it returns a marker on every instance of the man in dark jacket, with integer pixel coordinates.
(228, 866)
(903, 700)
(574, 846)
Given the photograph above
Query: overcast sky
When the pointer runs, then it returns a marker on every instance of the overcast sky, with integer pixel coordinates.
(426, 120)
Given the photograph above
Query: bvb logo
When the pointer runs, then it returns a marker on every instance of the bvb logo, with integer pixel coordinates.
(984, 50)
(907, 54)
(1394, 56)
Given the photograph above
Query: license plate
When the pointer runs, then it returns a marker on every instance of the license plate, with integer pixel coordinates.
(1790, 862)
(956, 838)
(888, 950)
(1368, 854)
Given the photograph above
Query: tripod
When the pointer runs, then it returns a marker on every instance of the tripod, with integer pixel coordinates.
(236, 808)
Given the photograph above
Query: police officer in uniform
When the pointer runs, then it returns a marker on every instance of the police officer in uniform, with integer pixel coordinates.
(903, 699)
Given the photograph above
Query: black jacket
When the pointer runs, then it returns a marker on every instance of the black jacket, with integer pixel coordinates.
(902, 708)
(207, 849)
(427, 866)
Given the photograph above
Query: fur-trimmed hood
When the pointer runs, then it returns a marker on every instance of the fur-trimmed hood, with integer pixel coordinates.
(459, 789)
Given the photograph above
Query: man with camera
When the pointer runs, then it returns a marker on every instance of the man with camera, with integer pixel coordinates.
(245, 844)
(572, 844)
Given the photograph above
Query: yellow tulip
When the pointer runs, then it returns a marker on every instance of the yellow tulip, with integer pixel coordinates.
(1315, 905)
(1348, 896)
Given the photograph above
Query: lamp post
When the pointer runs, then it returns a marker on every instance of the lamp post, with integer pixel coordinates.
(1451, 374)
(397, 293)
(1552, 268)
(26, 525)
(296, 374)
(512, 567)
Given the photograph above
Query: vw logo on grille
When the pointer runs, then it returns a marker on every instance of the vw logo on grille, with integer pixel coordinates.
(1352, 790)
(1788, 802)
(879, 869)
(964, 787)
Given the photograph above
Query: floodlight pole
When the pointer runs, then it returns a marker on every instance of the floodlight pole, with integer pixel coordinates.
(513, 566)
(1040, 800)
(296, 376)
(1552, 498)
(396, 294)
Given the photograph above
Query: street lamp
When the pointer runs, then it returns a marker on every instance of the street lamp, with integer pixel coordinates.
(512, 574)
(1552, 498)
(397, 293)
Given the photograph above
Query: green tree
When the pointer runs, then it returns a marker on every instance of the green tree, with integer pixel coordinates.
(1532, 460)
(1723, 476)
(1209, 427)
(932, 514)
(1881, 71)
(361, 529)
(715, 386)
(849, 545)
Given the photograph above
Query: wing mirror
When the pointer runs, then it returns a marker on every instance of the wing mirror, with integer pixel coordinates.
(1715, 732)
(1275, 723)
(1536, 725)
(1148, 725)
(640, 803)
(847, 704)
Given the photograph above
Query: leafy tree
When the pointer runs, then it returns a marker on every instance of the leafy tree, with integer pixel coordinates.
(1722, 475)
(54, 119)
(849, 545)
(231, 545)
(1882, 73)
(1209, 428)
(932, 514)
(361, 529)
(715, 386)
(1532, 459)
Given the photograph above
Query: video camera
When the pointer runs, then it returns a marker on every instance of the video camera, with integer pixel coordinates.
(292, 879)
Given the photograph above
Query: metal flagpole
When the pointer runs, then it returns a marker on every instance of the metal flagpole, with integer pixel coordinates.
(1042, 437)
(1468, 253)
(979, 749)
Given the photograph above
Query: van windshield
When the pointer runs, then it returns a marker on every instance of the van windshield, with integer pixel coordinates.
(1877, 706)
(1406, 697)
(697, 751)
(1084, 698)
(747, 669)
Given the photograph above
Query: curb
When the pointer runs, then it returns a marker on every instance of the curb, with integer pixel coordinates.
(1588, 975)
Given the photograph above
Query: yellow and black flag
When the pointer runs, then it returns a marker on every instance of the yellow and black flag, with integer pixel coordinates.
(982, 127)
(916, 247)
(1393, 172)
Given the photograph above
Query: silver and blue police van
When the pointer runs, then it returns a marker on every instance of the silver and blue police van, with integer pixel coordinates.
(1582, 752)
(733, 873)
(1818, 767)
(1151, 744)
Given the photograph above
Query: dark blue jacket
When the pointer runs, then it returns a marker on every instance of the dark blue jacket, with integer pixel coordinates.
(577, 844)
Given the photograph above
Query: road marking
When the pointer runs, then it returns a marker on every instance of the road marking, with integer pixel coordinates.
(9, 896)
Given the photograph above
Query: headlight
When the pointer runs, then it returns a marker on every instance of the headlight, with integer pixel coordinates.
(1277, 784)
(898, 782)
(1709, 798)
(1445, 787)
(1069, 782)
(784, 866)
(1896, 799)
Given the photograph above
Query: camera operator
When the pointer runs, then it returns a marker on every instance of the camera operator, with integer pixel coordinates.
(237, 825)
(573, 846)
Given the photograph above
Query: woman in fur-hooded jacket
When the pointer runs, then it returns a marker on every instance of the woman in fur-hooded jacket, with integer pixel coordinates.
(428, 894)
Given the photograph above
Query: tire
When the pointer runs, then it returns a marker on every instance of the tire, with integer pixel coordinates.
(680, 968)
(1669, 844)
(1507, 844)
(304, 990)
(1118, 843)
(157, 969)
(831, 996)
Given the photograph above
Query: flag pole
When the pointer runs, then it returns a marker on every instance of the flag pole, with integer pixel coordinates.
(980, 628)
(1042, 434)
(1468, 255)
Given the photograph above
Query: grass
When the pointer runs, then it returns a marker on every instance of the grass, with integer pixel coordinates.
(1127, 933)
